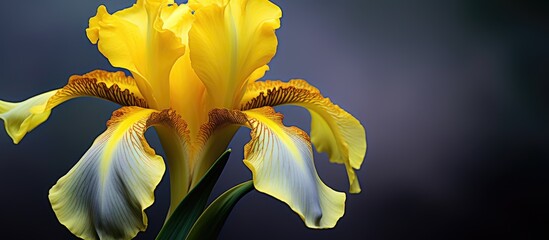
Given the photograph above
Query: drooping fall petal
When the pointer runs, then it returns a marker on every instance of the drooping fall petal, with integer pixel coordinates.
(333, 130)
(104, 195)
(137, 40)
(230, 40)
(281, 161)
(20, 118)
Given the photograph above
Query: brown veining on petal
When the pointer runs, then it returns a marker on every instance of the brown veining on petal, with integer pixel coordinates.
(272, 93)
(115, 87)
(218, 118)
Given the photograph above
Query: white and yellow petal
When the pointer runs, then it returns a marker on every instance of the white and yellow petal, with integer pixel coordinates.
(333, 130)
(229, 41)
(281, 161)
(105, 194)
(22, 117)
(137, 40)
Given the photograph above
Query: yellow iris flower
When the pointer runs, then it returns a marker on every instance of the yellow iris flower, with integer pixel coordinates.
(194, 72)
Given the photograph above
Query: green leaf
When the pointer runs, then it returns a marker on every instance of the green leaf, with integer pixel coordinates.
(190, 208)
(211, 221)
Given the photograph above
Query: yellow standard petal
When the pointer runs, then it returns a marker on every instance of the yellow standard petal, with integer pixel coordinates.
(333, 130)
(196, 4)
(229, 41)
(137, 40)
(20, 118)
(192, 105)
(281, 161)
(104, 195)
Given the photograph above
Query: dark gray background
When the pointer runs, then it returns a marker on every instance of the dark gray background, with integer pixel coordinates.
(452, 94)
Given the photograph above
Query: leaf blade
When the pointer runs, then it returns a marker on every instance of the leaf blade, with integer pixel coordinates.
(191, 207)
(209, 224)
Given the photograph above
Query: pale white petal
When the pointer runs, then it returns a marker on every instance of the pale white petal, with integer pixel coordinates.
(333, 130)
(281, 161)
(104, 195)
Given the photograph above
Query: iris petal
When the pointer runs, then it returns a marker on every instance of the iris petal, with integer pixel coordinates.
(137, 40)
(104, 195)
(281, 161)
(333, 130)
(228, 41)
(20, 118)
(191, 105)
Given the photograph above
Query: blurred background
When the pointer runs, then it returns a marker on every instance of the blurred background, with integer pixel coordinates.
(453, 95)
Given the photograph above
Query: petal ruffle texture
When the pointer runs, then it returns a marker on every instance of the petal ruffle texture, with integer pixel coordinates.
(333, 130)
(281, 161)
(137, 40)
(20, 118)
(230, 40)
(104, 195)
